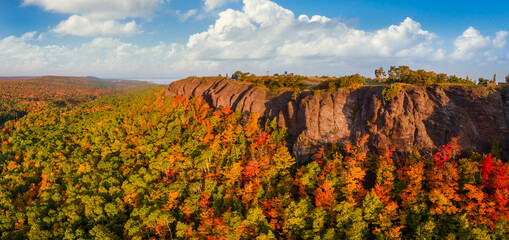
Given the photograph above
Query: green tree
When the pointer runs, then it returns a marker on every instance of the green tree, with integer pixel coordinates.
(483, 81)
(379, 73)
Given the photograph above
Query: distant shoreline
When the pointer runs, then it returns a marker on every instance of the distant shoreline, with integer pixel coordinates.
(161, 81)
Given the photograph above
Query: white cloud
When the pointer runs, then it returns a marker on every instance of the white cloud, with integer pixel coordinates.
(499, 41)
(265, 30)
(472, 45)
(107, 57)
(262, 36)
(19, 57)
(267, 13)
(103, 9)
(183, 16)
(99, 17)
(86, 27)
(213, 4)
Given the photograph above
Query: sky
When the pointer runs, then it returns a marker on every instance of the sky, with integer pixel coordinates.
(179, 38)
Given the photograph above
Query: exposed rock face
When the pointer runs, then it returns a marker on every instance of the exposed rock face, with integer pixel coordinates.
(424, 117)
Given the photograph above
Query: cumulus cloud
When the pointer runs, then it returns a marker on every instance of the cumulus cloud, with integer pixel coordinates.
(102, 56)
(472, 45)
(86, 27)
(261, 36)
(264, 30)
(213, 4)
(19, 57)
(98, 17)
(110, 9)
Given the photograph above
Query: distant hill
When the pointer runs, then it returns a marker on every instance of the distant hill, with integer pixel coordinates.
(21, 95)
(15, 78)
(62, 88)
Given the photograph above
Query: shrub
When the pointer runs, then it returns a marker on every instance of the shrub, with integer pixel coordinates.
(273, 83)
(391, 91)
(406, 75)
(352, 81)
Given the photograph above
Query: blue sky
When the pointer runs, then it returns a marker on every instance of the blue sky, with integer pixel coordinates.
(178, 38)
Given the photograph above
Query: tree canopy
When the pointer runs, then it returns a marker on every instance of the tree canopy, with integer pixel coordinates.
(142, 165)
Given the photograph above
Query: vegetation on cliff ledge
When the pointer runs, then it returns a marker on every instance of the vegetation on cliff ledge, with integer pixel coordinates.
(273, 83)
(406, 75)
(401, 74)
(390, 92)
(352, 81)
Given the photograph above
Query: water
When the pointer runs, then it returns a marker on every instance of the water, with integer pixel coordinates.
(161, 81)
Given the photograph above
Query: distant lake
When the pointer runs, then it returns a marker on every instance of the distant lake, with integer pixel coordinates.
(162, 81)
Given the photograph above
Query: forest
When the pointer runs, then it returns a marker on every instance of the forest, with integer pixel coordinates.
(134, 163)
(20, 96)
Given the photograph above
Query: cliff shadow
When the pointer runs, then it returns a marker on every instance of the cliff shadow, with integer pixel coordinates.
(292, 114)
(239, 97)
(208, 93)
(221, 93)
(476, 115)
(335, 117)
(359, 110)
(289, 112)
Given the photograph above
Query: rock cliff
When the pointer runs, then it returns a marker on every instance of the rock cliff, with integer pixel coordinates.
(424, 117)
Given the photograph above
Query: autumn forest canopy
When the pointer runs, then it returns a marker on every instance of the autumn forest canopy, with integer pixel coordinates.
(82, 158)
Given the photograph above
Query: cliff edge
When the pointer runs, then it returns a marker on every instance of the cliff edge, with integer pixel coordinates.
(421, 117)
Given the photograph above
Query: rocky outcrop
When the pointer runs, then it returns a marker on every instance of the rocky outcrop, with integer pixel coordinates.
(421, 117)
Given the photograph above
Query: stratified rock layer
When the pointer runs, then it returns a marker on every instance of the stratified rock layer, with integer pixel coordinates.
(421, 117)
